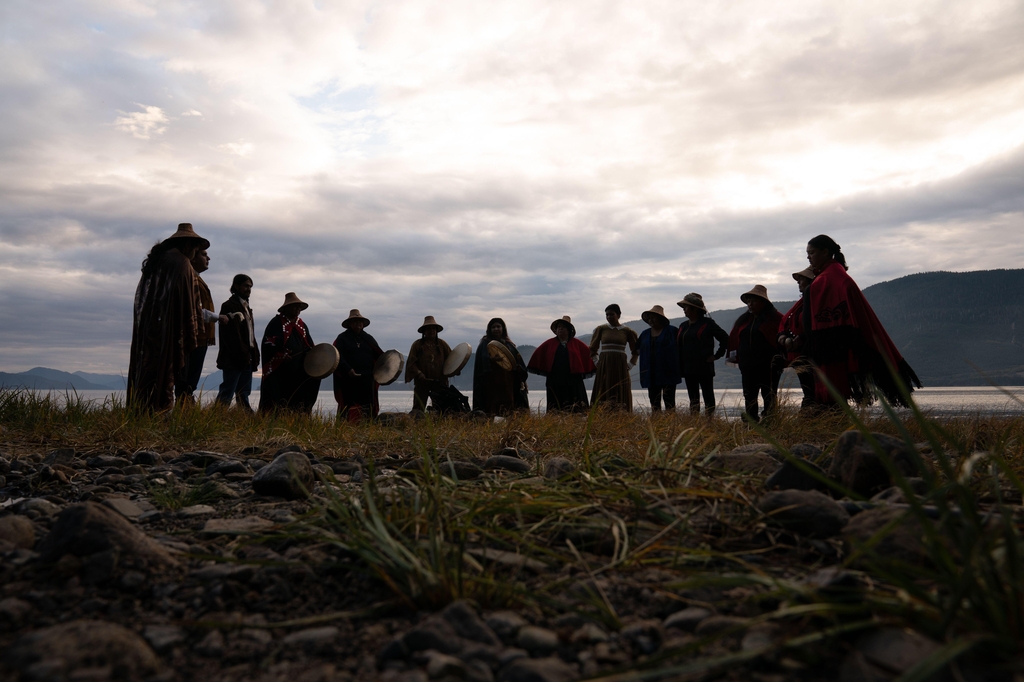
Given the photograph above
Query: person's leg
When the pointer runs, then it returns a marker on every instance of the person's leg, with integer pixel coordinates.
(707, 386)
(768, 393)
(751, 386)
(229, 386)
(243, 388)
(669, 394)
(654, 393)
(693, 385)
(420, 394)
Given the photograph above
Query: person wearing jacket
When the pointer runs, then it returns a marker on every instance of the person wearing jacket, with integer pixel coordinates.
(239, 354)
(792, 341)
(695, 341)
(497, 390)
(565, 362)
(354, 386)
(659, 359)
(754, 341)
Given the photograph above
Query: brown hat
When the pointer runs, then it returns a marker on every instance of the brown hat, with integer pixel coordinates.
(655, 310)
(759, 291)
(428, 321)
(291, 299)
(806, 273)
(354, 314)
(185, 231)
(566, 321)
(693, 300)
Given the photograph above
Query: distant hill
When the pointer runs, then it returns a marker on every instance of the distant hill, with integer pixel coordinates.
(954, 328)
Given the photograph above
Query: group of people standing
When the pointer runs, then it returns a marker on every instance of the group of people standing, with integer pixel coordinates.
(831, 337)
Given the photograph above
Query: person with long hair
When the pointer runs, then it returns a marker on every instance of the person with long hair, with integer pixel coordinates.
(499, 384)
(846, 341)
(167, 321)
(613, 387)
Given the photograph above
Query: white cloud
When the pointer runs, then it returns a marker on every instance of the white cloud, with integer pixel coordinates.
(143, 124)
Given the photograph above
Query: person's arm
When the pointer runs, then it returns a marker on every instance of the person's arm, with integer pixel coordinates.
(722, 337)
(595, 344)
(412, 370)
(634, 347)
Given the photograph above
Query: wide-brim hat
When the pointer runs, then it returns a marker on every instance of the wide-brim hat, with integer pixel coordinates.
(694, 300)
(185, 231)
(291, 299)
(354, 315)
(806, 273)
(564, 319)
(428, 321)
(655, 310)
(759, 290)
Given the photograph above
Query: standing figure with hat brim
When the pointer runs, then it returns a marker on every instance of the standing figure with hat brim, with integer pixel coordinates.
(792, 342)
(285, 344)
(847, 342)
(696, 342)
(239, 354)
(167, 320)
(354, 386)
(425, 364)
(185, 387)
(613, 387)
(499, 373)
(754, 344)
(659, 359)
(565, 362)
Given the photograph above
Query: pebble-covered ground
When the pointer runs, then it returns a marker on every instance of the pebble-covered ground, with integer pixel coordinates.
(198, 565)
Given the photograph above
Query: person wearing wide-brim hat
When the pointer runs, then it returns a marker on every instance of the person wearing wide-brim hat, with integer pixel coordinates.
(565, 362)
(697, 355)
(659, 359)
(354, 386)
(285, 344)
(754, 344)
(167, 321)
(425, 364)
(792, 341)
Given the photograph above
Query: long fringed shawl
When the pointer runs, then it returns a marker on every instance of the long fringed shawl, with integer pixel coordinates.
(848, 343)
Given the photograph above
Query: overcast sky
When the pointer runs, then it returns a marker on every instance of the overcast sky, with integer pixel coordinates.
(471, 159)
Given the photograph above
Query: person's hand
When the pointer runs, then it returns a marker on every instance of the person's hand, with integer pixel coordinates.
(353, 373)
(237, 317)
(711, 358)
(223, 319)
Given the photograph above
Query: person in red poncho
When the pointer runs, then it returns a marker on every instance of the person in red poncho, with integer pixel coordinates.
(753, 342)
(846, 341)
(286, 341)
(793, 342)
(565, 361)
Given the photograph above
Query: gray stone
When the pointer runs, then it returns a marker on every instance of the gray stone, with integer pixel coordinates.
(414, 675)
(744, 463)
(537, 640)
(644, 637)
(467, 624)
(505, 624)
(759, 637)
(806, 512)
(891, 495)
(146, 458)
(218, 572)
(433, 633)
(80, 645)
(901, 543)
(687, 619)
(806, 451)
(38, 504)
(443, 665)
(312, 638)
(125, 508)
(13, 611)
(248, 524)
(212, 644)
(196, 510)
(290, 476)
(794, 476)
(63, 456)
(107, 462)
(478, 671)
(18, 530)
(550, 669)
(856, 668)
(506, 558)
(90, 528)
(896, 649)
(464, 471)
(508, 452)
(506, 463)
(587, 634)
(163, 638)
(754, 448)
(557, 467)
(227, 466)
(858, 467)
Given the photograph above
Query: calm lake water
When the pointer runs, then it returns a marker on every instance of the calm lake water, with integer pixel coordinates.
(940, 401)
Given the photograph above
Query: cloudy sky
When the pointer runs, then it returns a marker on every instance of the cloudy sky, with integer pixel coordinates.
(471, 159)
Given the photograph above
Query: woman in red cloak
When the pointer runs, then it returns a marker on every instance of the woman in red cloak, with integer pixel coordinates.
(846, 341)
(565, 361)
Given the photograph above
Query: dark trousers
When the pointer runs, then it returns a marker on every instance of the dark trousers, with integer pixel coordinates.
(237, 383)
(656, 393)
(765, 383)
(697, 385)
(805, 374)
(185, 385)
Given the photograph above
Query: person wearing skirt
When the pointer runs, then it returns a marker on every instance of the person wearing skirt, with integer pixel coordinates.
(614, 350)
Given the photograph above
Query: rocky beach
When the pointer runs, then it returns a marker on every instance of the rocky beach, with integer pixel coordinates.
(538, 549)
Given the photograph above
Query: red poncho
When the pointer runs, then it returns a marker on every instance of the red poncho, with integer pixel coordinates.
(792, 323)
(849, 344)
(579, 357)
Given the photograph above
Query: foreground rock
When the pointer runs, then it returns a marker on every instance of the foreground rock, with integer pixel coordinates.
(290, 476)
(900, 543)
(860, 468)
(89, 529)
(806, 512)
(83, 650)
